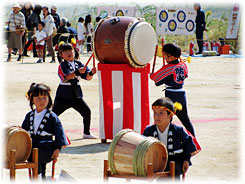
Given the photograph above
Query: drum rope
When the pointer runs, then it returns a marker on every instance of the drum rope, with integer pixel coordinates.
(139, 157)
(112, 149)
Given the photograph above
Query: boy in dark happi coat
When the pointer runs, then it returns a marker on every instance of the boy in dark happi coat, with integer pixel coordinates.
(179, 144)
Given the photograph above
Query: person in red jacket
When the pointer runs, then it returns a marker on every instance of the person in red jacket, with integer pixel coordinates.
(173, 75)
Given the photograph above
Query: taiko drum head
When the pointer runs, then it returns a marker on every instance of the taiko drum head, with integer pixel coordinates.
(141, 43)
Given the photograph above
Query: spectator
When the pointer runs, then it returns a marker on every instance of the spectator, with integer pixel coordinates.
(88, 31)
(39, 37)
(55, 16)
(32, 27)
(97, 19)
(49, 29)
(16, 26)
(26, 9)
(200, 26)
(80, 34)
(62, 29)
(72, 30)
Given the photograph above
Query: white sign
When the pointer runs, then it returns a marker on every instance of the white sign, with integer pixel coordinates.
(175, 21)
(117, 11)
(234, 22)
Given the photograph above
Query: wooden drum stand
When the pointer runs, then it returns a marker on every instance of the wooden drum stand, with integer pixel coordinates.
(12, 165)
(151, 176)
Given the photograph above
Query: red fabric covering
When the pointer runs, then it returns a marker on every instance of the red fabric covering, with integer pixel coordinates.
(124, 98)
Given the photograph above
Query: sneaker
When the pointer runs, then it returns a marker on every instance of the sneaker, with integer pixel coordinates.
(19, 58)
(52, 61)
(91, 136)
(39, 61)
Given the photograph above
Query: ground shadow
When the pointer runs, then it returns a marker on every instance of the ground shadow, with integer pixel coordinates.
(86, 149)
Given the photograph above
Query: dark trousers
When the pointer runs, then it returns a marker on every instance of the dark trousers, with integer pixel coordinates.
(89, 46)
(34, 47)
(199, 36)
(183, 114)
(62, 104)
(44, 157)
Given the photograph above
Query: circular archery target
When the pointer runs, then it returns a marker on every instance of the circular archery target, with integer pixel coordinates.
(103, 12)
(163, 16)
(172, 25)
(189, 25)
(181, 16)
(119, 13)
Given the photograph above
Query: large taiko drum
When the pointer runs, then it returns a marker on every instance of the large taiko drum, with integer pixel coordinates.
(18, 139)
(130, 153)
(124, 40)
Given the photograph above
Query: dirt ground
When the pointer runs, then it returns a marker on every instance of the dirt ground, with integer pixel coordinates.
(214, 100)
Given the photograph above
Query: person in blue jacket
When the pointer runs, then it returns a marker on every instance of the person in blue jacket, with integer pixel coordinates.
(44, 126)
(179, 143)
(69, 93)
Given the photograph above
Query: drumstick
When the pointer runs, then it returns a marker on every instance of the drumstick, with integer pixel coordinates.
(163, 59)
(183, 177)
(93, 61)
(154, 62)
(53, 168)
(88, 61)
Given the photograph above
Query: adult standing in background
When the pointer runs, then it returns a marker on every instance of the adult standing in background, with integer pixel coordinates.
(16, 22)
(55, 16)
(33, 27)
(49, 29)
(26, 9)
(80, 34)
(200, 26)
(62, 29)
(88, 31)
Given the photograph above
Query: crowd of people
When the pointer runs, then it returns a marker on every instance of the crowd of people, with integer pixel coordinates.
(43, 29)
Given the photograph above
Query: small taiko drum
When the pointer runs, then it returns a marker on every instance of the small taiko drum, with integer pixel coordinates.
(124, 40)
(17, 139)
(130, 153)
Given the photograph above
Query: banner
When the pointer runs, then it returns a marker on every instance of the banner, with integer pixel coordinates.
(117, 11)
(234, 22)
(175, 21)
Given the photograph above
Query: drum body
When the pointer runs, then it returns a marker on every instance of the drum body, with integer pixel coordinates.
(124, 40)
(130, 153)
(18, 139)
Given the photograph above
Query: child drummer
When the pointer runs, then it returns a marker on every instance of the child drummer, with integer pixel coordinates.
(179, 144)
(173, 75)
